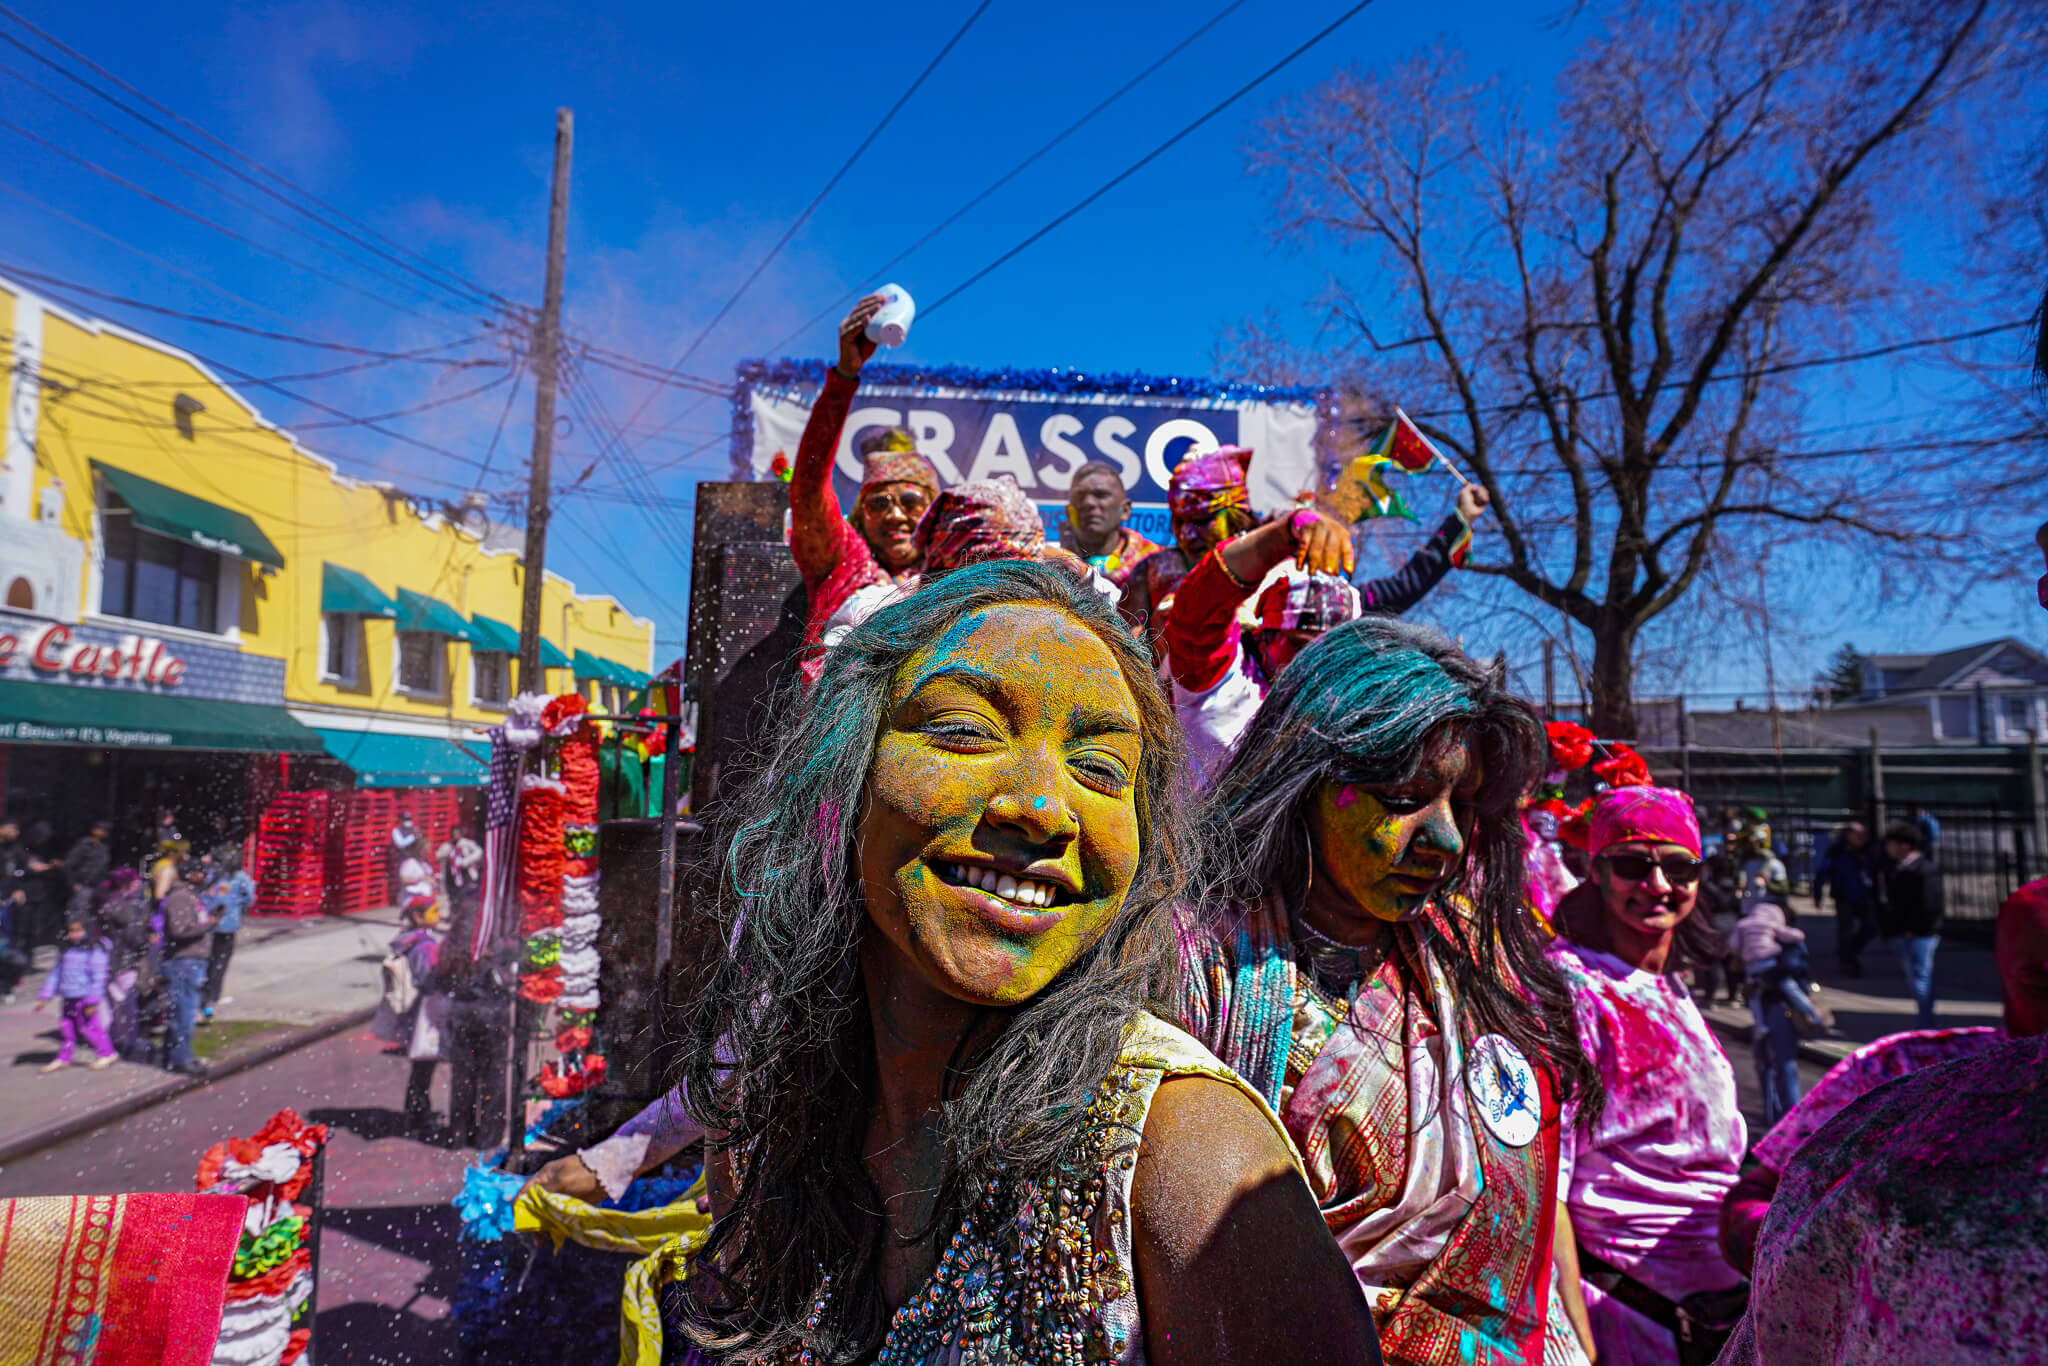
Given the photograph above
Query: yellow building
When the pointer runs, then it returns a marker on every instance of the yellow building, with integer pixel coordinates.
(184, 586)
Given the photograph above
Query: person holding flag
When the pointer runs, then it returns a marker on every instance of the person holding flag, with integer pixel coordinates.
(1404, 447)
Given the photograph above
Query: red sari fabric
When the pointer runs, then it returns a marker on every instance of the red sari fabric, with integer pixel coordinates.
(115, 1280)
(1447, 1227)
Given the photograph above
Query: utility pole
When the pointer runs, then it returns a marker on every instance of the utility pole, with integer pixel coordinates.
(546, 347)
(1549, 679)
(547, 338)
(1763, 602)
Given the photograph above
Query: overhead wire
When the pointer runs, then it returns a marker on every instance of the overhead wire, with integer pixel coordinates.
(797, 224)
(246, 205)
(353, 231)
(1142, 162)
(1006, 177)
(72, 287)
(201, 219)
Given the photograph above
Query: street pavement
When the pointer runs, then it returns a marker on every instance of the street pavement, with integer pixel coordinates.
(286, 974)
(388, 1253)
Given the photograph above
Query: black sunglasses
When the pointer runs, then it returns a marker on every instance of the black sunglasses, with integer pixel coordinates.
(1680, 870)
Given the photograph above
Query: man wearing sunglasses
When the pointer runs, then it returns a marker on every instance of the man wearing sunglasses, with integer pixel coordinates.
(840, 556)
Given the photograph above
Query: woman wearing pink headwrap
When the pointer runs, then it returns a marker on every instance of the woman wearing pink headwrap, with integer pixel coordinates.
(1642, 1184)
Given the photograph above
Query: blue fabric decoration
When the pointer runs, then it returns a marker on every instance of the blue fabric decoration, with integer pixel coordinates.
(486, 1203)
(786, 373)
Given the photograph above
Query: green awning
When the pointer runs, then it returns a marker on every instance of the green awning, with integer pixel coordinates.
(608, 671)
(114, 718)
(550, 657)
(418, 612)
(404, 760)
(344, 590)
(488, 634)
(178, 515)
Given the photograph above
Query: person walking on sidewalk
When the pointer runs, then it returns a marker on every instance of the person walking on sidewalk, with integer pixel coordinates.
(79, 979)
(1911, 914)
(85, 867)
(229, 895)
(134, 972)
(1848, 872)
(188, 940)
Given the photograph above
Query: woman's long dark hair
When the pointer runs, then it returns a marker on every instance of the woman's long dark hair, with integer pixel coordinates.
(777, 1050)
(1363, 705)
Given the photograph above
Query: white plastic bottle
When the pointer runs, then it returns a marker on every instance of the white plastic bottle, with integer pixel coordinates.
(891, 324)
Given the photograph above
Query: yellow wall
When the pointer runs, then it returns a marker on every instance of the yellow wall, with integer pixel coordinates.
(115, 406)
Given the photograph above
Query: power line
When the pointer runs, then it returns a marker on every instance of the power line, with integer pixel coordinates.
(422, 407)
(1133, 83)
(816, 200)
(206, 222)
(1763, 371)
(248, 206)
(1151, 156)
(71, 287)
(471, 293)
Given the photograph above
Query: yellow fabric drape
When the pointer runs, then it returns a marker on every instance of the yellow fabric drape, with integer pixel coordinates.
(666, 1239)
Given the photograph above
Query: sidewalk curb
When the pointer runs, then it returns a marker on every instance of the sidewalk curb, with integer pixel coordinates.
(1809, 1051)
(83, 1122)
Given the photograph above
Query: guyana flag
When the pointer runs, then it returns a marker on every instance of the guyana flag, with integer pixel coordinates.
(1407, 447)
(1369, 472)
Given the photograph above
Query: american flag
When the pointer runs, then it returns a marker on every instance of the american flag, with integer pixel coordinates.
(501, 806)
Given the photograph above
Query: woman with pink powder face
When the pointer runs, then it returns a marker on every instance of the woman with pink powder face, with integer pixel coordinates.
(1642, 1182)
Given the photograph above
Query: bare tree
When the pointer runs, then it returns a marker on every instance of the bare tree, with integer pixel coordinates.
(1620, 322)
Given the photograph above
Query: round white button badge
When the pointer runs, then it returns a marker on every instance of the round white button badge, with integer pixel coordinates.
(1503, 1086)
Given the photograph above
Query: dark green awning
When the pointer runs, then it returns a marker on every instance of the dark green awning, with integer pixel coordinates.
(178, 515)
(344, 590)
(608, 671)
(487, 634)
(418, 612)
(404, 760)
(113, 718)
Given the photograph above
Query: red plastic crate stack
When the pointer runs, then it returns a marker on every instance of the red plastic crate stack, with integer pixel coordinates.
(289, 839)
(359, 840)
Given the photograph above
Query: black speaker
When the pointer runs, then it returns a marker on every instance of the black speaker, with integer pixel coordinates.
(747, 608)
(637, 1056)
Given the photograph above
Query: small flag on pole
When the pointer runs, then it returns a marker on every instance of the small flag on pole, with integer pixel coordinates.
(1461, 549)
(1407, 447)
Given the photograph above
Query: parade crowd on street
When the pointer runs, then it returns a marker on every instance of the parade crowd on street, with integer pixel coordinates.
(1288, 982)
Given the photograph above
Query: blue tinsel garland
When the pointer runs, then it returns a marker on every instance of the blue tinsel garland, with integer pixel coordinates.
(787, 373)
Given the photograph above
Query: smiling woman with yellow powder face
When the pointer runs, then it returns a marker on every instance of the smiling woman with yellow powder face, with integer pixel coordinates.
(1372, 971)
(946, 1128)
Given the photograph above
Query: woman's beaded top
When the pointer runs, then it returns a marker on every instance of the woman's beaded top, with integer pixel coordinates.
(1045, 1276)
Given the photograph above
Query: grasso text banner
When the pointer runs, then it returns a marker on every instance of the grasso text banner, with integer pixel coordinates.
(1039, 436)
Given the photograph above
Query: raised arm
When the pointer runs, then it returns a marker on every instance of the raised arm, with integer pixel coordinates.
(817, 527)
(1235, 1263)
(1201, 631)
(1425, 569)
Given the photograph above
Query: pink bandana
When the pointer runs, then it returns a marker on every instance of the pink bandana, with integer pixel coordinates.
(970, 523)
(1662, 814)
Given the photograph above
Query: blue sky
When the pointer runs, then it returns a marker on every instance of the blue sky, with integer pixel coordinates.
(702, 131)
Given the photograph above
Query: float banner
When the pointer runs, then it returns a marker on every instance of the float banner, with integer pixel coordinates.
(1038, 427)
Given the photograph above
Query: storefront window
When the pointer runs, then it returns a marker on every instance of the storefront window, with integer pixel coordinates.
(340, 631)
(153, 578)
(421, 655)
(492, 671)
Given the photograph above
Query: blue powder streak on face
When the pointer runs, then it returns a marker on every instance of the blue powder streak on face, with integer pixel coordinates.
(949, 640)
(1038, 803)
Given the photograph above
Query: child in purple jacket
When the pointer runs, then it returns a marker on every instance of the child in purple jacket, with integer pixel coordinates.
(80, 978)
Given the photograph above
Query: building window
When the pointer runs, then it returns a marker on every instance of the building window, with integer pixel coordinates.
(422, 662)
(1958, 718)
(154, 578)
(340, 633)
(490, 677)
(2019, 717)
